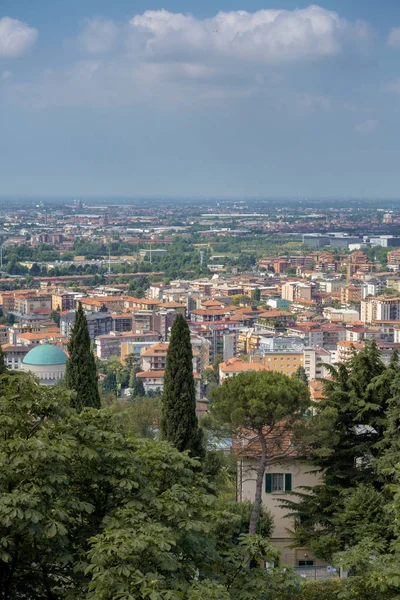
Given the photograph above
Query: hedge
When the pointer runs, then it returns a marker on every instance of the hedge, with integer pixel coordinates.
(325, 589)
(353, 588)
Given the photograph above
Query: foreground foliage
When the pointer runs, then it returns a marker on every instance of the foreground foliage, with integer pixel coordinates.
(89, 513)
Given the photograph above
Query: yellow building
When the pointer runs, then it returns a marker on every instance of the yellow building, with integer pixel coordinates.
(283, 362)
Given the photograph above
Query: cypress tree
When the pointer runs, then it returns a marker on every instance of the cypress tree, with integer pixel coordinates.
(80, 375)
(301, 374)
(179, 423)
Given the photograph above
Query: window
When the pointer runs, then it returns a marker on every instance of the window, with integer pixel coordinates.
(276, 483)
(306, 563)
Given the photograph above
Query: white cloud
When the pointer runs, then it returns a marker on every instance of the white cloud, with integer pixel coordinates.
(99, 36)
(16, 37)
(367, 127)
(266, 36)
(393, 40)
(6, 75)
(179, 58)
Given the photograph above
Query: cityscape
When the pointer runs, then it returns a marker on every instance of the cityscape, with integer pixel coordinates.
(199, 301)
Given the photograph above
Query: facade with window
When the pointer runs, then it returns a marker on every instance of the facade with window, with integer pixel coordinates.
(280, 479)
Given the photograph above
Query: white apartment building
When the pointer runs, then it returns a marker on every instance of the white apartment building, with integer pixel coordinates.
(314, 358)
(380, 308)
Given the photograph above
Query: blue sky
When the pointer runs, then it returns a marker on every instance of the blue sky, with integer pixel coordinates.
(156, 98)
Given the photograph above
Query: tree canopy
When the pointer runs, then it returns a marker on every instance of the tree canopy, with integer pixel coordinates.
(265, 406)
(87, 512)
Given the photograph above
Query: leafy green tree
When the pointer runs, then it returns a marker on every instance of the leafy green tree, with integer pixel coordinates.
(301, 374)
(256, 295)
(110, 384)
(265, 408)
(81, 375)
(35, 270)
(88, 512)
(139, 286)
(3, 364)
(140, 418)
(55, 316)
(135, 383)
(138, 388)
(179, 423)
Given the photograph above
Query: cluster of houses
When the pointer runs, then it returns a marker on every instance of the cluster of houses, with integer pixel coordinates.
(251, 322)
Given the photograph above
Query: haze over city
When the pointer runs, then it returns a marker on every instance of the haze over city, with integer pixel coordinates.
(177, 99)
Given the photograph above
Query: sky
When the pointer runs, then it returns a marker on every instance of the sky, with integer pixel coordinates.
(193, 99)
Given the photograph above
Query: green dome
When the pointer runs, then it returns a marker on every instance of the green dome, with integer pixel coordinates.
(45, 354)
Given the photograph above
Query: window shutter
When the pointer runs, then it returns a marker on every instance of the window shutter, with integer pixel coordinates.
(268, 483)
(288, 482)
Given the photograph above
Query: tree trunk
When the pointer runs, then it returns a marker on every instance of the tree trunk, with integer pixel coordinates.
(255, 513)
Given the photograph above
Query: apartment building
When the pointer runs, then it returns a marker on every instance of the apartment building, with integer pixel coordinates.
(121, 322)
(26, 305)
(345, 315)
(283, 362)
(137, 342)
(313, 360)
(350, 294)
(153, 360)
(63, 300)
(297, 290)
(14, 355)
(380, 308)
(98, 323)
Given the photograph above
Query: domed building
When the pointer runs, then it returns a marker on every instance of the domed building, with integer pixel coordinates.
(46, 362)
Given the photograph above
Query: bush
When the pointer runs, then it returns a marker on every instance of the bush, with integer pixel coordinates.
(353, 588)
(326, 589)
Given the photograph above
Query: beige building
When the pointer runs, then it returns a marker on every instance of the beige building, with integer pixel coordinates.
(281, 477)
(62, 300)
(344, 315)
(26, 305)
(296, 290)
(283, 362)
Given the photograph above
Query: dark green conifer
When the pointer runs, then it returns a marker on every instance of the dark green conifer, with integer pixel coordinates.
(136, 384)
(179, 423)
(301, 374)
(80, 375)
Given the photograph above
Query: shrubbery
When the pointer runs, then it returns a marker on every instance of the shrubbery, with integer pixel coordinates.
(353, 588)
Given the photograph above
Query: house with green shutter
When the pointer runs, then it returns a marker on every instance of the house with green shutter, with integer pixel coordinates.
(283, 475)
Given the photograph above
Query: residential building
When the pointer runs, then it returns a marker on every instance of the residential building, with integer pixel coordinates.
(344, 315)
(14, 355)
(296, 290)
(26, 305)
(380, 308)
(99, 323)
(63, 300)
(313, 361)
(350, 294)
(282, 476)
(137, 342)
